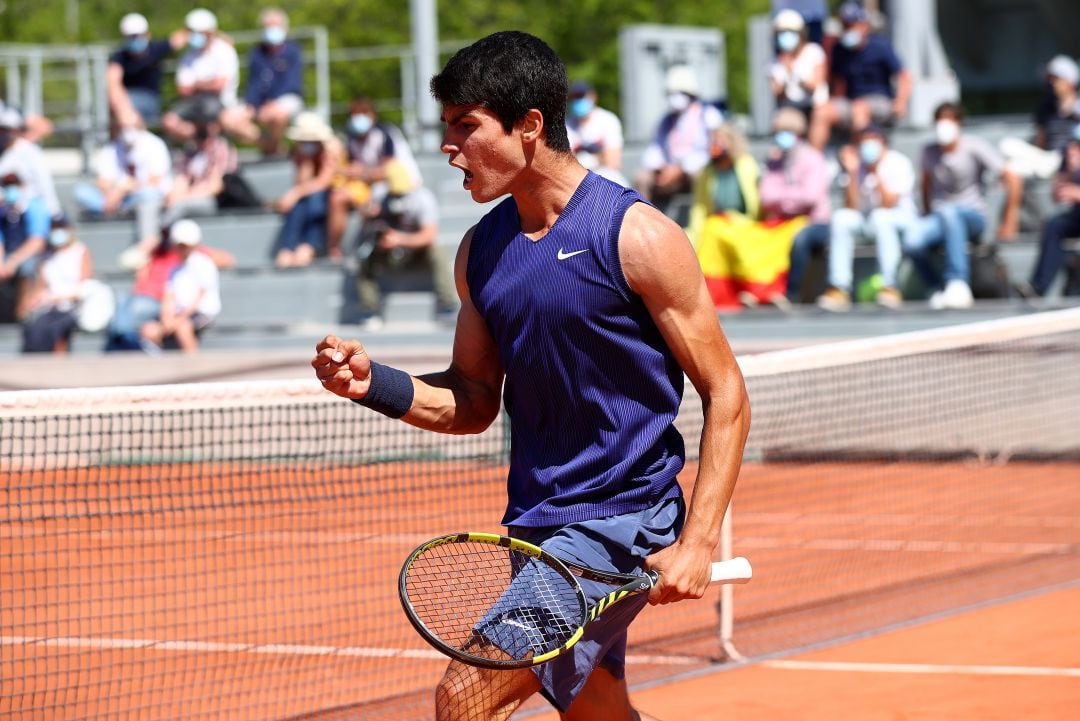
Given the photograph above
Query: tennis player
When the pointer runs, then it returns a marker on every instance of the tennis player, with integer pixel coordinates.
(584, 306)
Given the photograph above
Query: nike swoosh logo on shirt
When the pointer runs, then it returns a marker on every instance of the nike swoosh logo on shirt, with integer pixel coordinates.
(563, 255)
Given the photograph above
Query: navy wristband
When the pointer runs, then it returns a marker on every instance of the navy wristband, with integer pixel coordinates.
(390, 391)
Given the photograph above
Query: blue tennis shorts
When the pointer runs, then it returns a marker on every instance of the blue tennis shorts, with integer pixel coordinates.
(617, 544)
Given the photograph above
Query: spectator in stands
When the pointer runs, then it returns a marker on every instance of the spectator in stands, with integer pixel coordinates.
(1060, 227)
(813, 12)
(134, 174)
(133, 77)
(24, 227)
(53, 299)
(798, 74)
(361, 180)
(1055, 118)
(200, 174)
(596, 135)
(316, 157)
(23, 157)
(795, 192)
(274, 92)
(35, 128)
(953, 192)
(879, 206)
(681, 144)
(403, 234)
(142, 304)
(206, 79)
(868, 82)
(192, 298)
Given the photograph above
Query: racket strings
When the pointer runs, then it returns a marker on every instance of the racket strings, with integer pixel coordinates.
(493, 602)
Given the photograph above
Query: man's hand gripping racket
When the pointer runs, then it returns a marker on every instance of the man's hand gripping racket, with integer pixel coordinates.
(497, 602)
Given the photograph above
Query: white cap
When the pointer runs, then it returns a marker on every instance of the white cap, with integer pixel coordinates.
(134, 24)
(681, 79)
(200, 20)
(11, 118)
(1064, 67)
(185, 232)
(789, 20)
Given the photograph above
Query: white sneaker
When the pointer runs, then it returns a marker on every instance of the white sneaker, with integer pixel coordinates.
(133, 258)
(956, 295)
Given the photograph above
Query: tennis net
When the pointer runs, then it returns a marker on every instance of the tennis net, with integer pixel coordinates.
(231, 550)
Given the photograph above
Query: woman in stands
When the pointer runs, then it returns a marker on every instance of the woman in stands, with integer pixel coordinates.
(54, 298)
(316, 154)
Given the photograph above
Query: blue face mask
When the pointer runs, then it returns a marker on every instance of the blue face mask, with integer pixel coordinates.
(870, 151)
(274, 35)
(360, 123)
(138, 44)
(580, 107)
(12, 194)
(196, 41)
(851, 39)
(59, 237)
(787, 40)
(785, 140)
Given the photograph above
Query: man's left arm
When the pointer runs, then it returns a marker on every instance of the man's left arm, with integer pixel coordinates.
(661, 267)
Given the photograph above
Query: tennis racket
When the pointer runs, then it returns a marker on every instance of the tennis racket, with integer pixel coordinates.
(498, 602)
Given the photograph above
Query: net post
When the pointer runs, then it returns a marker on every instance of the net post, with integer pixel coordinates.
(727, 594)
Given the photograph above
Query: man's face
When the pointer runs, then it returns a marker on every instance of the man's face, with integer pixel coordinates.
(477, 145)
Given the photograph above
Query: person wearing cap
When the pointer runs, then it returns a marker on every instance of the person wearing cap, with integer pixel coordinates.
(879, 207)
(24, 227)
(53, 299)
(206, 79)
(192, 298)
(403, 234)
(954, 167)
(133, 76)
(316, 156)
(596, 134)
(23, 157)
(274, 93)
(798, 73)
(813, 12)
(33, 127)
(868, 83)
(1055, 118)
(680, 146)
(370, 144)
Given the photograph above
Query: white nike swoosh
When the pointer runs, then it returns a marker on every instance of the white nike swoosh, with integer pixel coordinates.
(563, 255)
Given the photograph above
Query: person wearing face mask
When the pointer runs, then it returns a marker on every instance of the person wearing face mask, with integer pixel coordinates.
(133, 76)
(206, 78)
(954, 196)
(596, 135)
(879, 207)
(274, 92)
(370, 144)
(797, 75)
(200, 174)
(53, 300)
(868, 83)
(23, 157)
(24, 227)
(680, 145)
(316, 157)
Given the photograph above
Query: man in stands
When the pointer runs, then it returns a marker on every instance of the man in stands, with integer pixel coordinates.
(23, 157)
(133, 78)
(206, 79)
(24, 226)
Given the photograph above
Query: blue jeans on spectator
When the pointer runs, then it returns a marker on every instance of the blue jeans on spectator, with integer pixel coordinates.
(883, 226)
(132, 311)
(953, 226)
(1051, 253)
(813, 237)
(148, 104)
(305, 223)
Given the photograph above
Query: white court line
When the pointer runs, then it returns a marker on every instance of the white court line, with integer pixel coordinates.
(922, 668)
(271, 649)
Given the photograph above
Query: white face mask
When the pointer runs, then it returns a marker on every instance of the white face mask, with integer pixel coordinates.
(678, 101)
(946, 132)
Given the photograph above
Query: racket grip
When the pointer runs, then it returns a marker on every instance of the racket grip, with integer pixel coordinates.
(735, 570)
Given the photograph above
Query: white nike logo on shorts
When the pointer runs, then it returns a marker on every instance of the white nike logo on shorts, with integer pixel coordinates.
(563, 255)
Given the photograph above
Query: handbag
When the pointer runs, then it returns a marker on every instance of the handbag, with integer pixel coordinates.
(237, 193)
(989, 275)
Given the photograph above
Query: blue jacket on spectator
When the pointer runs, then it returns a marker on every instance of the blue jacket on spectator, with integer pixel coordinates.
(273, 73)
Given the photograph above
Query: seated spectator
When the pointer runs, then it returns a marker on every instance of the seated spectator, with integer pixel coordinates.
(199, 177)
(23, 157)
(192, 298)
(953, 168)
(142, 304)
(798, 74)
(1060, 227)
(24, 227)
(53, 300)
(879, 206)
(403, 234)
(795, 187)
(1055, 118)
(681, 143)
(133, 77)
(206, 79)
(595, 134)
(868, 82)
(274, 92)
(134, 174)
(813, 12)
(361, 179)
(316, 155)
(35, 128)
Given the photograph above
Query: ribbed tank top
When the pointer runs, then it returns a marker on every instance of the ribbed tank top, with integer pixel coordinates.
(591, 388)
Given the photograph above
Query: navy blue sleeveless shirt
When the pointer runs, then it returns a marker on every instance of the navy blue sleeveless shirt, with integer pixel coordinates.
(591, 388)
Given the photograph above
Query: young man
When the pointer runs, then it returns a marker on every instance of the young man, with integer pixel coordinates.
(584, 306)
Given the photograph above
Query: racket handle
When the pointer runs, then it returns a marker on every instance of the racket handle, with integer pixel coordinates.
(735, 570)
